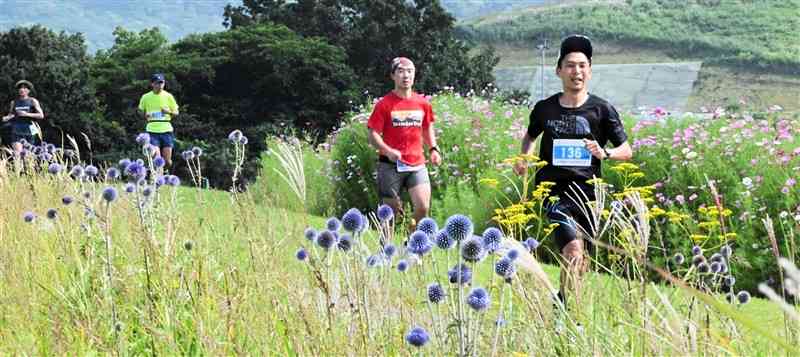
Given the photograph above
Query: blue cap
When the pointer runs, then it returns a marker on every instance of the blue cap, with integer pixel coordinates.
(158, 77)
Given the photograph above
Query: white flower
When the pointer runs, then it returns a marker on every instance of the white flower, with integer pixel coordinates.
(747, 182)
(783, 214)
(691, 155)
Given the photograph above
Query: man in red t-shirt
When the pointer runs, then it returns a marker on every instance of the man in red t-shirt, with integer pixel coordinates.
(400, 122)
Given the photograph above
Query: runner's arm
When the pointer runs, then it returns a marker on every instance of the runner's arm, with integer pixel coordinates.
(623, 152)
(429, 136)
(39, 115)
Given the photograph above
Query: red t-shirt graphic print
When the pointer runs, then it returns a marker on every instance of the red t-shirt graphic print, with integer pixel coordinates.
(400, 121)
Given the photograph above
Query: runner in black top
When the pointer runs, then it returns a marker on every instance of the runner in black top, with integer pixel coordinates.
(575, 127)
(23, 111)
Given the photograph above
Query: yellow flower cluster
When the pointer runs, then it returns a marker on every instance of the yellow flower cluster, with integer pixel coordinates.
(625, 167)
(677, 217)
(514, 215)
(714, 211)
(490, 182)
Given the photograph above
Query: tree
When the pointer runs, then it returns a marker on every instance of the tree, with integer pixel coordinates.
(57, 65)
(374, 32)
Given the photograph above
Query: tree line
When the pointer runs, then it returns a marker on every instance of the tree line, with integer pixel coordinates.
(279, 68)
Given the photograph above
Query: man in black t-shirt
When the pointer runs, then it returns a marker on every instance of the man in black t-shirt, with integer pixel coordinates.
(575, 127)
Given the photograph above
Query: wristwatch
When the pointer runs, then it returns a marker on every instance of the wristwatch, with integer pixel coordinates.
(608, 154)
(434, 148)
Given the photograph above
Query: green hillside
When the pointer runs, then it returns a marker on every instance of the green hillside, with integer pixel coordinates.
(753, 34)
(96, 19)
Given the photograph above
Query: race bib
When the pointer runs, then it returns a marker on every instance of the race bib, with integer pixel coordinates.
(571, 152)
(403, 167)
(156, 115)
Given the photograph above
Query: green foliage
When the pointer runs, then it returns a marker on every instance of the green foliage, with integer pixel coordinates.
(57, 65)
(373, 32)
(740, 32)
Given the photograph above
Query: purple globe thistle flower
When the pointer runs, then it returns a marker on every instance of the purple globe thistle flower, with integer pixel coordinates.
(110, 194)
(345, 243)
(501, 322)
(243, 140)
(478, 299)
(512, 254)
(472, 250)
(723, 268)
(76, 171)
(419, 243)
(301, 254)
(696, 250)
(326, 240)
(729, 280)
(173, 181)
(136, 170)
(353, 221)
(123, 164)
(428, 225)
(726, 251)
(141, 182)
(67, 200)
(160, 181)
(86, 194)
(443, 240)
(716, 257)
(148, 191)
(310, 234)
(385, 212)
(70, 153)
(235, 136)
(188, 245)
(743, 297)
(28, 217)
(417, 337)
(46, 156)
(52, 213)
(197, 151)
(112, 173)
(703, 268)
(715, 267)
(187, 155)
(54, 168)
(460, 273)
(91, 170)
(531, 244)
(333, 224)
(459, 227)
(491, 239)
(505, 268)
(143, 138)
(389, 250)
(402, 266)
(159, 162)
(130, 188)
(698, 259)
(678, 259)
(50, 148)
(373, 260)
(436, 293)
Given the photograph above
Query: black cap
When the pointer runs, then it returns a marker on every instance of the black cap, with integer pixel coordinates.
(575, 43)
(158, 77)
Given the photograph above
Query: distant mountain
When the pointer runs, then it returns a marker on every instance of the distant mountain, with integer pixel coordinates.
(466, 9)
(96, 19)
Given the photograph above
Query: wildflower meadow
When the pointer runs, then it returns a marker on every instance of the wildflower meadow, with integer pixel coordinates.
(129, 259)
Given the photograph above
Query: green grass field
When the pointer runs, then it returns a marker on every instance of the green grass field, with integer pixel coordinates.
(198, 272)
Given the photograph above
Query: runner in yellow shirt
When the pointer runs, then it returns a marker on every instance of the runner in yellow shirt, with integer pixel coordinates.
(159, 107)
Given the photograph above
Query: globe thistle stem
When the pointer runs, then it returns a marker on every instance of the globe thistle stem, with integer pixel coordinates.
(499, 317)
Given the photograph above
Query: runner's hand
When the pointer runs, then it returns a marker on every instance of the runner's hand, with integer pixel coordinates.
(520, 167)
(595, 149)
(166, 110)
(394, 155)
(436, 159)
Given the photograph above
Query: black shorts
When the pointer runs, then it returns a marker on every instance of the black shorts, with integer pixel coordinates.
(572, 213)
